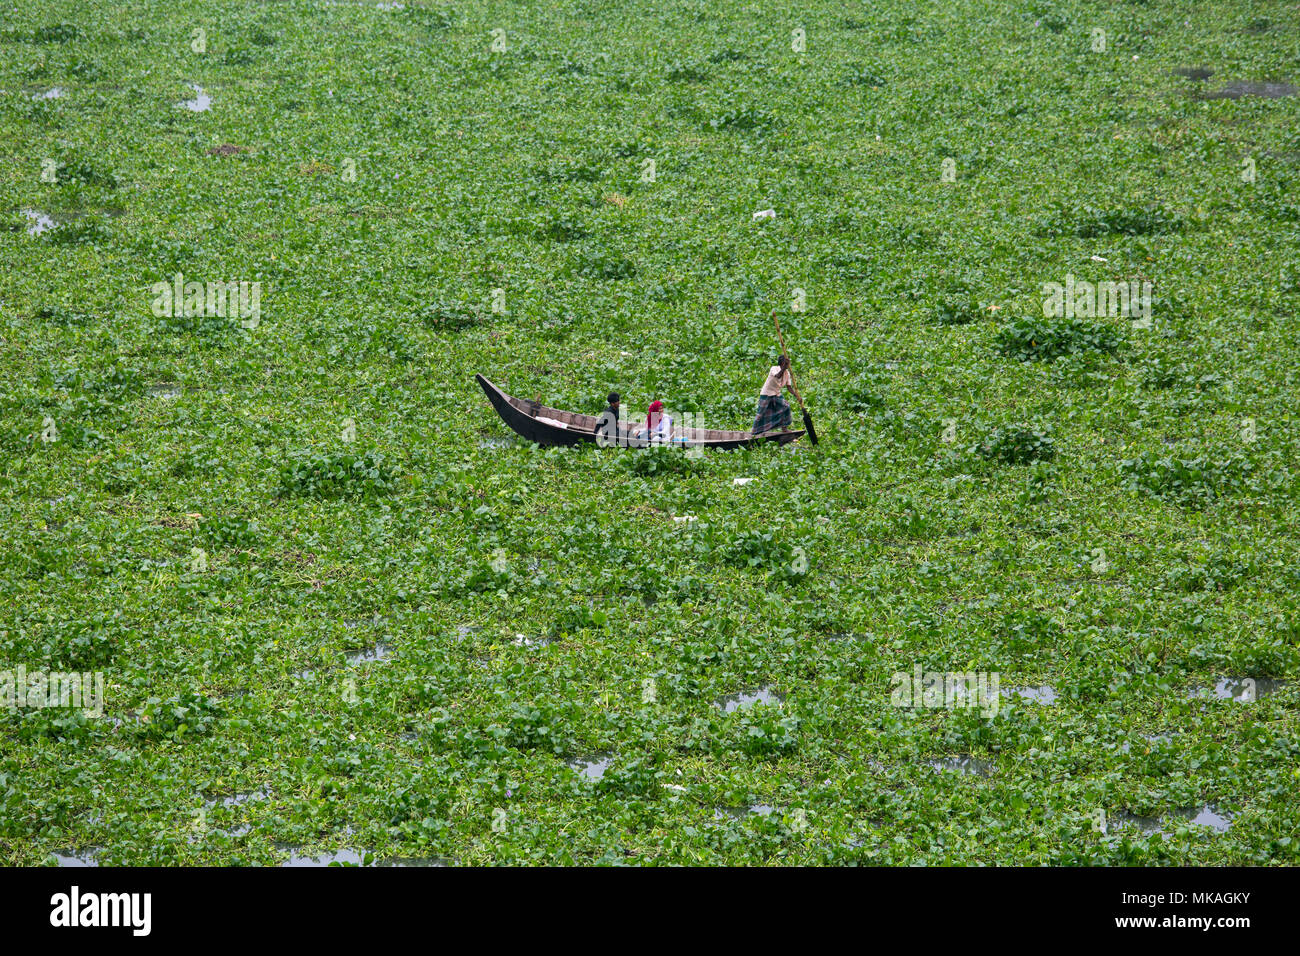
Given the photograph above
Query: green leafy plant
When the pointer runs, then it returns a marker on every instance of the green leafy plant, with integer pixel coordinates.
(1191, 482)
(184, 715)
(1015, 445)
(228, 531)
(450, 317)
(561, 227)
(660, 460)
(1091, 223)
(957, 309)
(325, 475)
(531, 727)
(1044, 339)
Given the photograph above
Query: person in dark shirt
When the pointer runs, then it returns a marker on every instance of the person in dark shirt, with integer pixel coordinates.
(607, 423)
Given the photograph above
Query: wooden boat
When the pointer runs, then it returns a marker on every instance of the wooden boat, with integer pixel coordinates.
(552, 426)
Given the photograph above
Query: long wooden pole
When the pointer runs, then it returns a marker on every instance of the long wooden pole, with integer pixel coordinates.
(794, 385)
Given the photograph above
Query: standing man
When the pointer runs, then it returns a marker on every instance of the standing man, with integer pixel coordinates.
(773, 409)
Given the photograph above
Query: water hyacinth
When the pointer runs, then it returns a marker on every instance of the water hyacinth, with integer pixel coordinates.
(324, 580)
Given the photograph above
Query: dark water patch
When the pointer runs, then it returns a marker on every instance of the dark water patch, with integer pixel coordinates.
(201, 102)
(238, 830)
(238, 799)
(847, 636)
(464, 631)
(1244, 690)
(1156, 740)
(523, 640)
(739, 813)
(1239, 88)
(410, 861)
(744, 699)
(1123, 818)
(117, 723)
(341, 857)
(231, 801)
(40, 222)
(1197, 73)
(1040, 694)
(593, 767)
(1206, 816)
(86, 857)
(379, 652)
(964, 764)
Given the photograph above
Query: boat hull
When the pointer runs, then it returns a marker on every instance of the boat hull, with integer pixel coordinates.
(550, 426)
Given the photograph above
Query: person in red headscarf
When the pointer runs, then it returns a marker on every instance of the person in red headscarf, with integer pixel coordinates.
(658, 426)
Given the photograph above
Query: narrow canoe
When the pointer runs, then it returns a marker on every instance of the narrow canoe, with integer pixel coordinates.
(552, 426)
